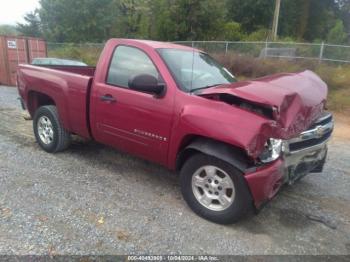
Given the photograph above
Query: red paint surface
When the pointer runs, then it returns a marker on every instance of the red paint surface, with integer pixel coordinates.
(158, 128)
(81, 70)
(265, 182)
(298, 100)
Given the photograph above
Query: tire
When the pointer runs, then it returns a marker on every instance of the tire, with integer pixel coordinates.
(54, 138)
(240, 200)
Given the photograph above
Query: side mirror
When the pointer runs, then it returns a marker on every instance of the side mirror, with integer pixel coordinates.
(146, 83)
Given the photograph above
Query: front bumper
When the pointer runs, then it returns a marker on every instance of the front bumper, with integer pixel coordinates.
(301, 155)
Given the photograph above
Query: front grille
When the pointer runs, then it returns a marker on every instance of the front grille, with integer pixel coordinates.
(309, 143)
(325, 119)
(317, 133)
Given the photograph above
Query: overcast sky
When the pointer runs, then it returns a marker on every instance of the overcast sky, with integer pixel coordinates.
(12, 11)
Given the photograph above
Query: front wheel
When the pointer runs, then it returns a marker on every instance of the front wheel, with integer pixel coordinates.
(214, 189)
(48, 131)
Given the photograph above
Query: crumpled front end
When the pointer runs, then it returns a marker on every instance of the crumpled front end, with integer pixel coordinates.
(290, 103)
(301, 155)
(292, 140)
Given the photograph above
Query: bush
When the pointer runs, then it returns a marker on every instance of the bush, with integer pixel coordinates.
(259, 35)
(232, 31)
(338, 33)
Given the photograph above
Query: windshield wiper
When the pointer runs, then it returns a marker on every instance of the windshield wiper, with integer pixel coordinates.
(204, 87)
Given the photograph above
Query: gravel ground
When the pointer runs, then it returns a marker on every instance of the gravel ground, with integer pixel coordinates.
(95, 200)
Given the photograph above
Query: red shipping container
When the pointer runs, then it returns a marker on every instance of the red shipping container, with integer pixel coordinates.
(16, 50)
(36, 48)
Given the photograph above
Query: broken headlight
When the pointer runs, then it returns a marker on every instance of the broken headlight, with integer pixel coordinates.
(272, 151)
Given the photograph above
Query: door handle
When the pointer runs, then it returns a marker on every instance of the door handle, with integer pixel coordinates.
(108, 98)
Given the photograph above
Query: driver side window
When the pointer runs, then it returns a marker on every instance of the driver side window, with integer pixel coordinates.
(128, 62)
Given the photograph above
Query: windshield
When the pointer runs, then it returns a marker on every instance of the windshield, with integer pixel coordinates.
(195, 70)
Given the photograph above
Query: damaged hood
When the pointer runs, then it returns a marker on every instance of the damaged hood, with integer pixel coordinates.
(292, 101)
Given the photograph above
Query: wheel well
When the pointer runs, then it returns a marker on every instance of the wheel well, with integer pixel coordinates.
(226, 152)
(36, 100)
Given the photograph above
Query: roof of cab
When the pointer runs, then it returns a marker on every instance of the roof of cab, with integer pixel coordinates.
(157, 45)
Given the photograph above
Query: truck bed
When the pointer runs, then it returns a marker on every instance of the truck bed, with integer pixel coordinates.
(81, 70)
(68, 86)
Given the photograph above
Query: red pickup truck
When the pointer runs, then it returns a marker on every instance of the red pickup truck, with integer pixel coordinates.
(234, 143)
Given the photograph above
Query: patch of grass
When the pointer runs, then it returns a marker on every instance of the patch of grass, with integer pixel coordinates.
(335, 75)
(88, 54)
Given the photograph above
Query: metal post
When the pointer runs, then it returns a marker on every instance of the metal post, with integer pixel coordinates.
(275, 20)
(226, 48)
(266, 47)
(321, 52)
(192, 44)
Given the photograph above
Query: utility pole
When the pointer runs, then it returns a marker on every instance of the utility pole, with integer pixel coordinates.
(275, 20)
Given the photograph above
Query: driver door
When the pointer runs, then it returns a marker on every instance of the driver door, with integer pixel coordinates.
(133, 121)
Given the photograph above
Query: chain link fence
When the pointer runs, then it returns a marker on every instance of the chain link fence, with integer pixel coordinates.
(286, 50)
(89, 52)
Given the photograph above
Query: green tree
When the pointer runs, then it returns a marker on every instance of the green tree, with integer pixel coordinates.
(8, 30)
(78, 20)
(307, 19)
(170, 20)
(32, 25)
(301, 19)
(337, 34)
(251, 14)
(322, 17)
(162, 24)
(132, 19)
(197, 19)
(343, 9)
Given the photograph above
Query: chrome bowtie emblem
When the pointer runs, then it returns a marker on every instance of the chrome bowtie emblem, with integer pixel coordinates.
(319, 131)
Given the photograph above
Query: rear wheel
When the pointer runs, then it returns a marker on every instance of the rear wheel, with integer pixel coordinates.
(214, 189)
(48, 131)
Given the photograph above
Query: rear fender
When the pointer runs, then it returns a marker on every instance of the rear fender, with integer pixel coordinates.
(36, 99)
